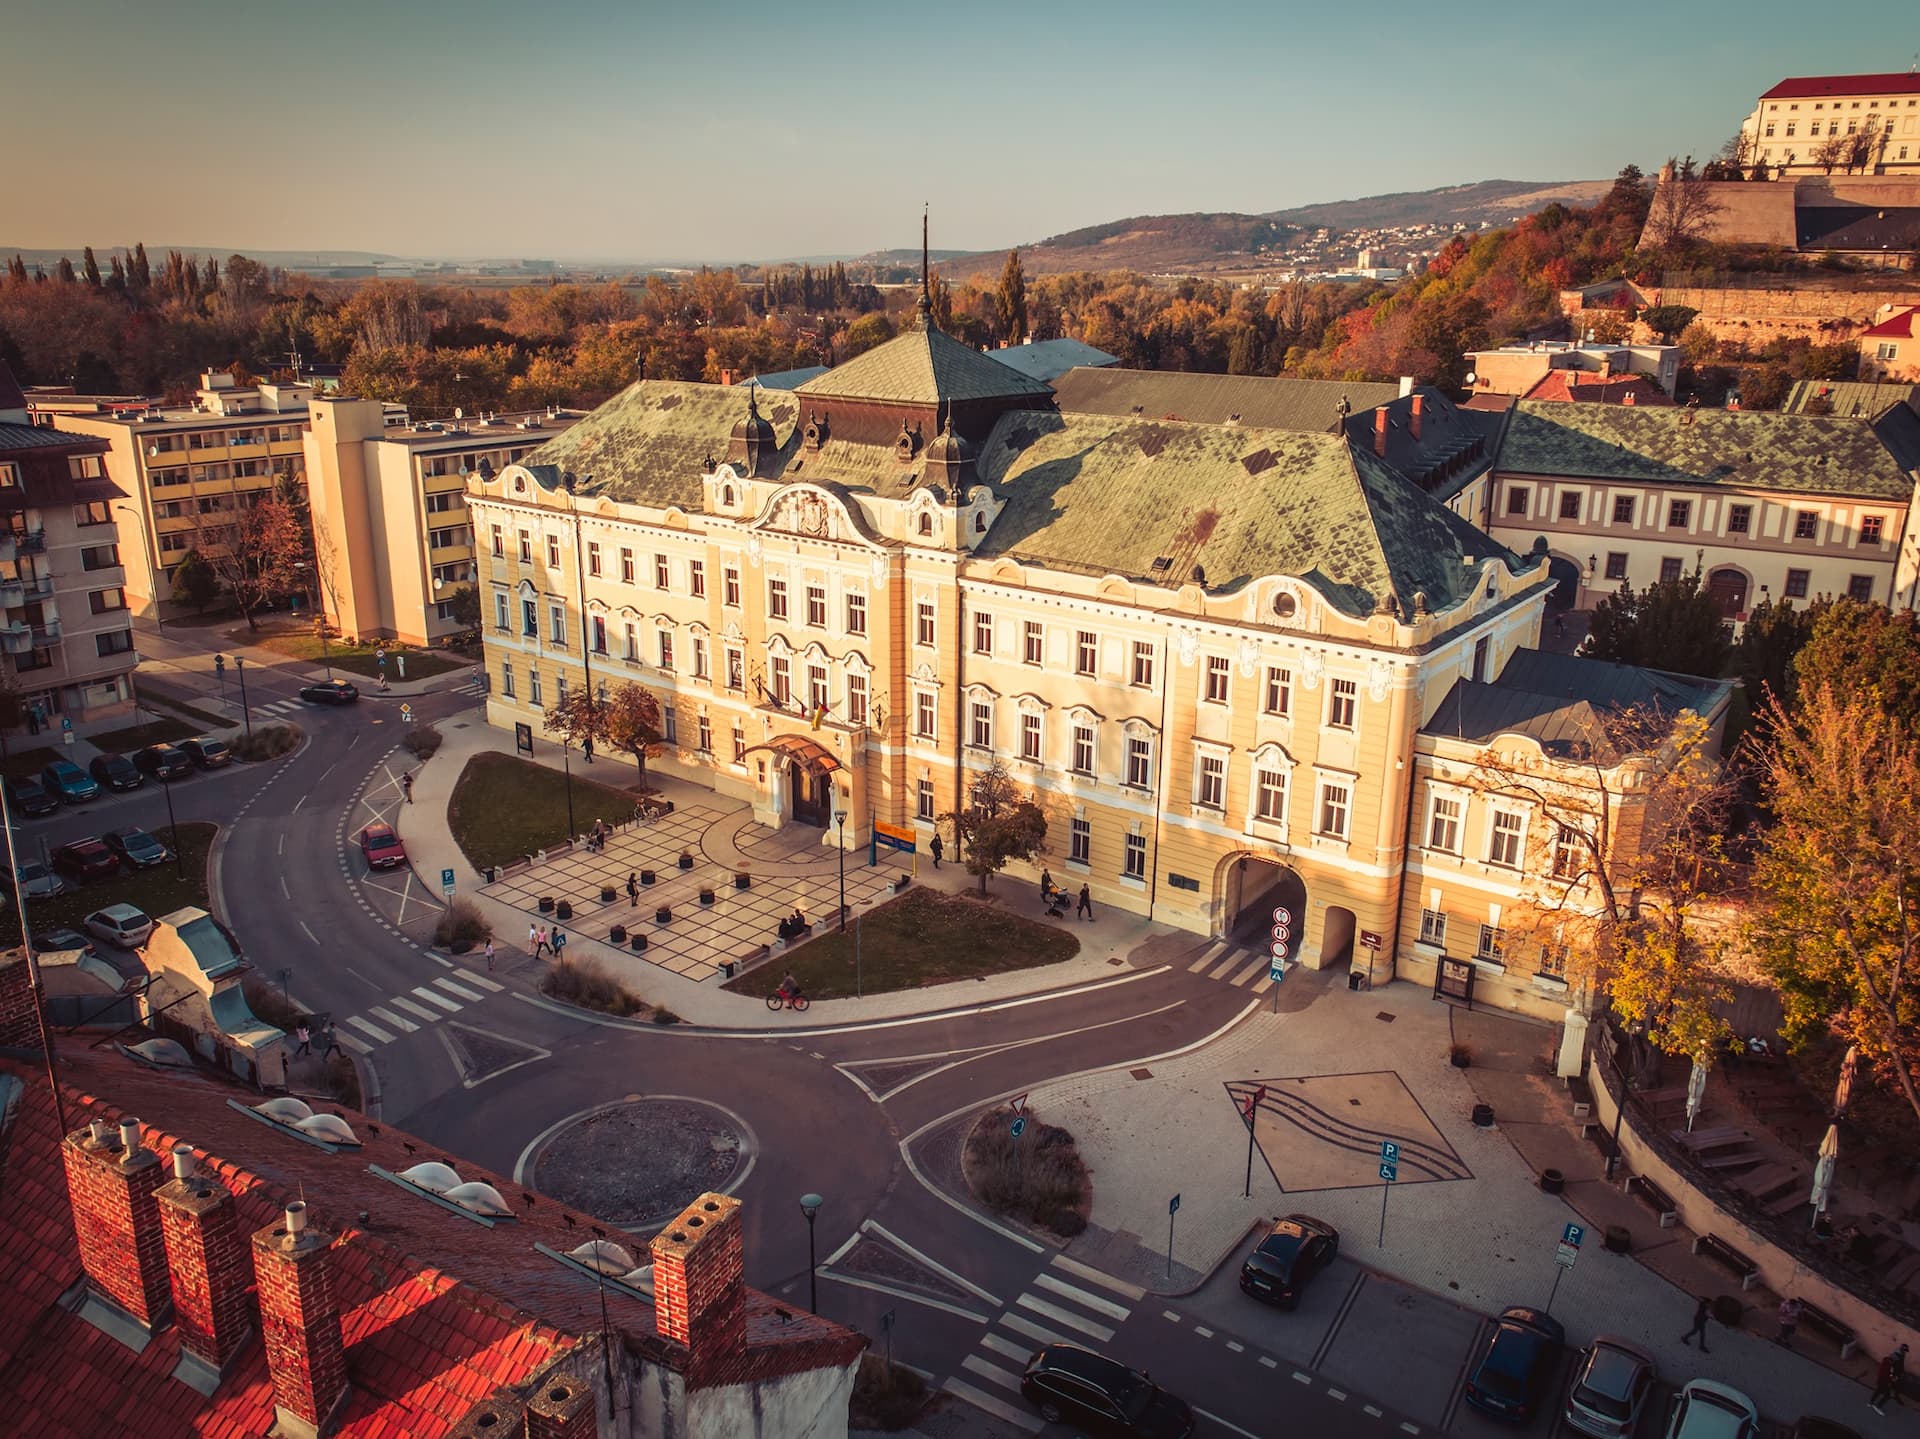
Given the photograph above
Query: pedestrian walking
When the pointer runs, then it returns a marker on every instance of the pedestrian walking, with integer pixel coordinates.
(1886, 1379)
(533, 939)
(305, 1037)
(327, 1042)
(1789, 1317)
(489, 954)
(1086, 902)
(539, 941)
(406, 785)
(633, 890)
(586, 747)
(1700, 1315)
(938, 850)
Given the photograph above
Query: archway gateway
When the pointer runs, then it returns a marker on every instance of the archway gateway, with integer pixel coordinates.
(810, 768)
(1254, 887)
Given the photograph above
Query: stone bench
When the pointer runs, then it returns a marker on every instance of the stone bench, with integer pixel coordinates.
(1829, 1328)
(1655, 1198)
(1597, 1136)
(1727, 1257)
(554, 851)
(1581, 1093)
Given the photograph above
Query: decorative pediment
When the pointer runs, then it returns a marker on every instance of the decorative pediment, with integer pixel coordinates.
(627, 612)
(1273, 756)
(1031, 702)
(1085, 715)
(813, 513)
(597, 606)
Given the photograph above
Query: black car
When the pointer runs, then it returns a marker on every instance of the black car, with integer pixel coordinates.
(116, 771)
(138, 848)
(61, 941)
(206, 752)
(1511, 1375)
(30, 797)
(1066, 1382)
(332, 692)
(1812, 1426)
(1284, 1263)
(163, 761)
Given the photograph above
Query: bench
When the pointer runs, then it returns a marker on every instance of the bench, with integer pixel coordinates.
(1581, 1093)
(519, 866)
(1655, 1198)
(1770, 1182)
(554, 851)
(1597, 1136)
(1701, 1140)
(1729, 1258)
(1732, 1159)
(1825, 1325)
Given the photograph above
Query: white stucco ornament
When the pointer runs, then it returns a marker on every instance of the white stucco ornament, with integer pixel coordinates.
(878, 569)
(1189, 648)
(1249, 658)
(1379, 675)
(754, 550)
(1312, 665)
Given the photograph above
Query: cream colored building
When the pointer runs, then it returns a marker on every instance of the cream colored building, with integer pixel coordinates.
(392, 537)
(1795, 118)
(1208, 649)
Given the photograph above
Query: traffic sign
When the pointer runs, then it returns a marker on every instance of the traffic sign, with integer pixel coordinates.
(406, 713)
(1018, 1104)
(1390, 1173)
(1277, 971)
(1019, 1126)
(446, 883)
(1282, 915)
(1173, 1206)
(1389, 1161)
(1564, 1255)
(1572, 1235)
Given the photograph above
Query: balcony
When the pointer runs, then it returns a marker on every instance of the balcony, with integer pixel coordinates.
(13, 594)
(46, 634)
(16, 639)
(29, 542)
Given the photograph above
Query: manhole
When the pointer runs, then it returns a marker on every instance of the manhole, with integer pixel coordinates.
(1141, 1073)
(1384, 1017)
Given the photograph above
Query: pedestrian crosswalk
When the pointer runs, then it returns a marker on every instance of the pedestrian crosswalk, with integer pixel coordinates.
(281, 707)
(1067, 1303)
(402, 1014)
(1238, 965)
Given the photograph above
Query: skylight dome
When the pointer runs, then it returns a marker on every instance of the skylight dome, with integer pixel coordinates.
(603, 1255)
(330, 1127)
(431, 1175)
(479, 1197)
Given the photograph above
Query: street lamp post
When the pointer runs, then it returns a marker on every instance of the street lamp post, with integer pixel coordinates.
(1624, 1072)
(566, 763)
(840, 819)
(810, 1206)
(240, 669)
(220, 674)
(173, 825)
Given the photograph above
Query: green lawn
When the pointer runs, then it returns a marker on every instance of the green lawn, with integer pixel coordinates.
(926, 936)
(157, 891)
(154, 731)
(27, 763)
(503, 807)
(206, 720)
(354, 659)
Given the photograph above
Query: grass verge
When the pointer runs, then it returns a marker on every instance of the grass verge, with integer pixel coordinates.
(27, 763)
(1038, 1177)
(156, 891)
(503, 808)
(354, 659)
(886, 1397)
(200, 720)
(586, 983)
(139, 736)
(926, 936)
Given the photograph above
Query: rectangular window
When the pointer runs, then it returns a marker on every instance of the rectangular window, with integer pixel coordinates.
(1336, 801)
(1568, 853)
(1518, 497)
(1553, 961)
(777, 599)
(1033, 644)
(666, 649)
(1796, 586)
(1342, 697)
(856, 613)
(1279, 691)
(1616, 565)
(1493, 943)
(116, 642)
(1083, 749)
(599, 634)
(1433, 927)
(730, 587)
(1142, 662)
(1739, 519)
(697, 582)
(923, 799)
(662, 575)
(1443, 831)
(1030, 737)
(506, 678)
(1870, 529)
(1139, 763)
(857, 700)
(1860, 587)
(593, 557)
(1623, 510)
(736, 670)
(553, 552)
(499, 542)
(533, 685)
(1570, 505)
(781, 671)
(1212, 792)
(96, 513)
(626, 566)
(739, 744)
(670, 724)
(980, 724)
(1136, 856)
(1219, 678)
(1080, 842)
(923, 718)
(1806, 524)
(529, 619)
(1669, 571)
(699, 658)
(703, 735)
(106, 601)
(816, 687)
(500, 609)
(817, 606)
(1482, 648)
(983, 634)
(1086, 653)
(1503, 844)
(526, 548)
(560, 684)
(1270, 796)
(1679, 512)
(632, 635)
(557, 624)
(923, 622)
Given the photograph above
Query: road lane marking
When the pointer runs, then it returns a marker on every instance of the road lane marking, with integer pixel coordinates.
(1235, 958)
(1299, 1378)
(1105, 1281)
(1170, 1314)
(484, 983)
(1410, 1428)
(420, 1011)
(1265, 984)
(460, 989)
(1206, 957)
(433, 996)
(309, 933)
(296, 805)
(1006, 1346)
(1203, 1331)
(1116, 1312)
(405, 1026)
(1256, 968)
(908, 1294)
(1339, 1394)
(1064, 1316)
(974, 1364)
(1225, 1423)
(368, 1027)
(1267, 1362)
(1020, 1418)
(347, 1041)
(1370, 1411)
(871, 1226)
(1038, 1333)
(1235, 1346)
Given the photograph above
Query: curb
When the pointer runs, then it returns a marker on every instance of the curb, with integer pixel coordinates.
(1219, 1260)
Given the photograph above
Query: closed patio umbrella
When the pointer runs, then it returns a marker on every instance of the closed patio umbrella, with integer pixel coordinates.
(1696, 1092)
(1823, 1171)
(1843, 1091)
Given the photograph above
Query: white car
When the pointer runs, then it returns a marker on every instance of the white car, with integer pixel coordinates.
(1706, 1410)
(120, 924)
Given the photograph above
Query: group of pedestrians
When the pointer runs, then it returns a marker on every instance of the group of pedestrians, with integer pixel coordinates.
(1888, 1375)
(540, 940)
(303, 1037)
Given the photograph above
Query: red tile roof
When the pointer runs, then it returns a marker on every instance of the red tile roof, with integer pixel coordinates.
(1905, 325)
(1589, 386)
(437, 1312)
(1816, 86)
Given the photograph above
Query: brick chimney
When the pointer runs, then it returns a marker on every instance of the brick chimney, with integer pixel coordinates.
(1380, 432)
(495, 1418)
(1627, 398)
(563, 1408)
(208, 1261)
(1606, 367)
(111, 1183)
(1419, 406)
(300, 1322)
(19, 1015)
(699, 1280)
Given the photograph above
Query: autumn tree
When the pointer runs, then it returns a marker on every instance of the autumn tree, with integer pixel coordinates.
(1837, 919)
(1864, 650)
(864, 333)
(1766, 654)
(1682, 212)
(194, 582)
(90, 268)
(1010, 301)
(1670, 625)
(998, 824)
(1667, 321)
(627, 717)
(255, 548)
(578, 717)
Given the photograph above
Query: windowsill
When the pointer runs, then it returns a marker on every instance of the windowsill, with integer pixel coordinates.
(1207, 811)
(1330, 841)
(1081, 774)
(1079, 866)
(1137, 881)
(1550, 983)
(1438, 946)
(1490, 964)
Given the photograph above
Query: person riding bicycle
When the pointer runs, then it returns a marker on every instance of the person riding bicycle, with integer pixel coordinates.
(789, 987)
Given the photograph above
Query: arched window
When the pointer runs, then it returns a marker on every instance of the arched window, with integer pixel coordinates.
(926, 524)
(726, 495)
(980, 523)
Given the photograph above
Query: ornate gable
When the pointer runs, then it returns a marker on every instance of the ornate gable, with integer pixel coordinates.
(813, 513)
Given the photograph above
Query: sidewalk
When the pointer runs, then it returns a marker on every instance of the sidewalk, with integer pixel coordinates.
(1486, 1240)
(1105, 943)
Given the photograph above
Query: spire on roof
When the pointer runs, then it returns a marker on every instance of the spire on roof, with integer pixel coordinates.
(923, 307)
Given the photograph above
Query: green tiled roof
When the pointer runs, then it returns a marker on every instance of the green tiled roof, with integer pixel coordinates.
(649, 444)
(1855, 399)
(922, 366)
(1107, 493)
(1752, 449)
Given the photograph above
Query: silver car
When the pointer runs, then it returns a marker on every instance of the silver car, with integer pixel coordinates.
(1611, 1385)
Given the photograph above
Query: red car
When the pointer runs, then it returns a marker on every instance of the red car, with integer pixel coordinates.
(382, 847)
(86, 859)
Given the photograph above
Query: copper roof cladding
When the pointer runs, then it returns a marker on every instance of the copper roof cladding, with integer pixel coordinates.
(1261, 401)
(924, 366)
(1808, 87)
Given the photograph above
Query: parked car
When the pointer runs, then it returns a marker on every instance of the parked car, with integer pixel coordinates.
(1510, 1377)
(67, 782)
(116, 771)
(1066, 1382)
(163, 761)
(63, 941)
(120, 924)
(382, 847)
(1612, 1382)
(39, 882)
(86, 859)
(138, 848)
(1706, 1410)
(1812, 1426)
(206, 752)
(1284, 1263)
(28, 797)
(329, 692)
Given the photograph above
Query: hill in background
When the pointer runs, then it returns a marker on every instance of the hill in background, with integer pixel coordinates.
(1497, 202)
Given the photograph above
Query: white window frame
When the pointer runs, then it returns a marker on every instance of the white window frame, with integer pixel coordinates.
(1340, 687)
(926, 716)
(1458, 821)
(1322, 784)
(1210, 779)
(1517, 834)
(1277, 685)
(1433, 928)
(1218, 681)
(1086, 743)
(1033, 736)
(980, 723)
(1257, 807)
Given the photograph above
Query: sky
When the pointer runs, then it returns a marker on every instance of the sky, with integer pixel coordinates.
(638, 131)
